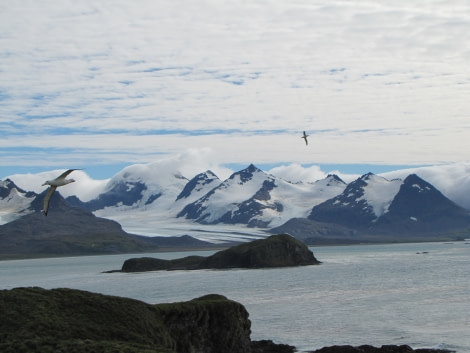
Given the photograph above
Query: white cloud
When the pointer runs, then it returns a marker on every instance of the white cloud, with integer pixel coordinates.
(373, 82)
(84, 187)
(195, 161)
(296, 173)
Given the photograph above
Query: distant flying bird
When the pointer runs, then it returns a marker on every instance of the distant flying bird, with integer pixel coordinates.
(54, 184)
(304, 136)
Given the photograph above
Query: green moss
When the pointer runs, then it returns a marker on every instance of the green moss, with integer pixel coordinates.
(66, 320)
(70, 318)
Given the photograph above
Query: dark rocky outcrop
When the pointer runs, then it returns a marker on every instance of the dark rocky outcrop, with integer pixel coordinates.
(66, 320)
(382, 349)
(208, 324)
(268, 346)
(75, 321)
(280, 250)
(142, 264)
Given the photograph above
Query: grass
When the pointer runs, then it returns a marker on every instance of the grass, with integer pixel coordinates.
(73, 321)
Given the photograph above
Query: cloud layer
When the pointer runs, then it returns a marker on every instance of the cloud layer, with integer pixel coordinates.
(113, 82)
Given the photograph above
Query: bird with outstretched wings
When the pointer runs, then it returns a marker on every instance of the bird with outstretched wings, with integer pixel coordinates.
(304, 136)
(53, 185)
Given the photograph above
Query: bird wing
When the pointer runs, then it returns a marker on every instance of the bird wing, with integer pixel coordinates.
(47, 198)
(64, 174)
(305, 138)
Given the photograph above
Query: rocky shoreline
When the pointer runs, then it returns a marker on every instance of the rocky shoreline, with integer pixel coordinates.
(382, 349)
(75, 321)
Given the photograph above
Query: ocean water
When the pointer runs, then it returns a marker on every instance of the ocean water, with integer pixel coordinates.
(415, 294)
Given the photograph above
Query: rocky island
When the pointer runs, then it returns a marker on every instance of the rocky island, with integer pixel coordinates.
(75, 321)
(279, 250)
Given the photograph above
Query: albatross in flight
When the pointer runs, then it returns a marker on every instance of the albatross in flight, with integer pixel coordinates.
(54, 184)
(304, 136)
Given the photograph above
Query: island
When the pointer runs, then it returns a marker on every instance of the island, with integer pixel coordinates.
(281, 250)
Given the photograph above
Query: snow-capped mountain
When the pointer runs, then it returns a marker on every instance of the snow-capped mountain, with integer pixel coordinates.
(220, 202)
(374, 204)
(157, 200)
(198, 186)
(453, 180)
(363, 201)
(139, 187)
(257, 199)
(420, 208)
(14, 201)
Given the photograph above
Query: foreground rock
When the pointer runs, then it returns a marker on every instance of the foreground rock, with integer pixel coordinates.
(280, 250)
(66, 320)
(74, 321)
(382, 349)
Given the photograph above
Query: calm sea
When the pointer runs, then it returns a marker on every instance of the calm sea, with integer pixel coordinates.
(415, 294)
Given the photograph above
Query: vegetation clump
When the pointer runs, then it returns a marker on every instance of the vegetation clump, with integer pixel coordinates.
(78, 321)
(66, 320)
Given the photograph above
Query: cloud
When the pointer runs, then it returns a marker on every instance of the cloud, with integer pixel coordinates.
(297, 173)
(195, 161)
(84, 187)
(116, 82)
(188, 164)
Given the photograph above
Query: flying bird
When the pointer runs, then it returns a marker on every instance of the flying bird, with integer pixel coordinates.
(54, 184)
(304, 136)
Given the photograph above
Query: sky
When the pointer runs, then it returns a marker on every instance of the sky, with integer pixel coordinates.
(103, 84)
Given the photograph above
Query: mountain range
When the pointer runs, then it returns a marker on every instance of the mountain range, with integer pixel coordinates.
(373, 209)
(149, 201)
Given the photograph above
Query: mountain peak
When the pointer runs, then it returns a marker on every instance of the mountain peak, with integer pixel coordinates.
(367, 176)
(417, 198)
(362, 202)
(421, 209)
(211, 174)
(415, 181)
(251, 169)
(14, 201)
(201, 183)
(333, 178)
(7, 185)
(247, 173)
